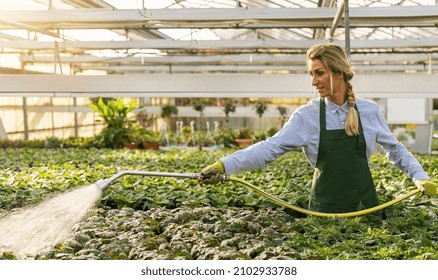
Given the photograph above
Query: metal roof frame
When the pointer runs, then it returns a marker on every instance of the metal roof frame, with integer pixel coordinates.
(250, 28)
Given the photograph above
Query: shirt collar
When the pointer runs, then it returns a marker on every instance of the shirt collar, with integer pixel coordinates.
(334, 108)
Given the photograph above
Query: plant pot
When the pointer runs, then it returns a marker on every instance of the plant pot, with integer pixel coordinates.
(130, 146)
(243, 142)
(151, 146)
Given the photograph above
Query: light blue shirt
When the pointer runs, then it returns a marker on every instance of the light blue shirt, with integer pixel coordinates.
(302, 130)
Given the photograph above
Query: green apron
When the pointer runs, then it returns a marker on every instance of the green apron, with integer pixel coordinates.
(342, 180)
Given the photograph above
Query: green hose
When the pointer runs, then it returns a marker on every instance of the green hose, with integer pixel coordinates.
(103, 184)
(319, 214)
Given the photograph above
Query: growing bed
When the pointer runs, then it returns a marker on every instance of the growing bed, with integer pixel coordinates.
(172, 218)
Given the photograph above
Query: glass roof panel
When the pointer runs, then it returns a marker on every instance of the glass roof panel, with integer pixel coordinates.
(197, 36)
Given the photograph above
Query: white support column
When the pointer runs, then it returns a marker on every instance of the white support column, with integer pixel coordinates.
(3, 134)
(423, 138)
(25, 119)
(424, 132)
(76, 122)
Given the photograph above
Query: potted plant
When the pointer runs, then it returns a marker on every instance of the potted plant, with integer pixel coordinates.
(133, 137)
(225, 137)
(115, 115)
(244, 137)
(130, 141)
(149, 140)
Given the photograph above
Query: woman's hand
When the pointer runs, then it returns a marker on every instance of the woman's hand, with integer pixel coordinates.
(427, 187)
(213, 173)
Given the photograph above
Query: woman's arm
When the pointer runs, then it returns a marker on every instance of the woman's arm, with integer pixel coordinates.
(396, 151)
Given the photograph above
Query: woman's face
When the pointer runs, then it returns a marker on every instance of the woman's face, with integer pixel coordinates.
(321, 82)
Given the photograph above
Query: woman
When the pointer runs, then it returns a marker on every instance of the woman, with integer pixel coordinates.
(337, 133)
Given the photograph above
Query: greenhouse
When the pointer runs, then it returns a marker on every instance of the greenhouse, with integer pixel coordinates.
(113, 114)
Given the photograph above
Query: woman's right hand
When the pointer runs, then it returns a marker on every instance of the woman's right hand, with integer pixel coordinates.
(213, 173)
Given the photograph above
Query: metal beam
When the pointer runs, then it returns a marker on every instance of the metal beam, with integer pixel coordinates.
(120, 69)
(193, 69)
(88, 3)
(259, 63)
(239, 59)
(321, 17)
(214, 85)
(337, 19)
(319, 33)
(186, 111)
(296, 45)
(255, 58)
(19, 25)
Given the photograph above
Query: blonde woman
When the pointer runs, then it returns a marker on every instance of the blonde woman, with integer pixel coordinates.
(337, 133)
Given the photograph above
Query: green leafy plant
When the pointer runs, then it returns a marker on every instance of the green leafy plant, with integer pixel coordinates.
(229, 107)
(199, 106)
(53, 142)
(149, 136)
(260, 108)
(115, 115)
(260, 135)
(134, 134)
(78, 142)
(204, 139)
(225, 137)
(143, 137)
(435, 141)
(244, 137)
(244, 133)
(283, 115)
(141, 217)
(167, 111)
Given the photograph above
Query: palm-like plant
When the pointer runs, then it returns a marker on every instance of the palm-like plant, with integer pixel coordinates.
(115, 115)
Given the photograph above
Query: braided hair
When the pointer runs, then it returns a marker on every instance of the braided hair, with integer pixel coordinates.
(335, 60)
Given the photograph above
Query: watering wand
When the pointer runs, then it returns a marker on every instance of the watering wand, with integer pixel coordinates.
(104, 183)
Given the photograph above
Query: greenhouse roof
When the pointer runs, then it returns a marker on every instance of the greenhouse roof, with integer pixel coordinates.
(213, 36)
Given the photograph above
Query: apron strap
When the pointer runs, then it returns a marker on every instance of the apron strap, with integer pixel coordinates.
(322, 114)
(323, 125)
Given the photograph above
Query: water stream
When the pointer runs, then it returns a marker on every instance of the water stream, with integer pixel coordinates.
(29, 231)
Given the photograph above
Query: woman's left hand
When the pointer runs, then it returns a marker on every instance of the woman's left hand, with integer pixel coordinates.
(427, 187)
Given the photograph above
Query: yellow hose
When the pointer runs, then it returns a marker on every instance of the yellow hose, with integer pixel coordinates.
(319, 214)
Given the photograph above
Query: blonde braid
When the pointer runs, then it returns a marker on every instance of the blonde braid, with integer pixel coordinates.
(352, 123)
